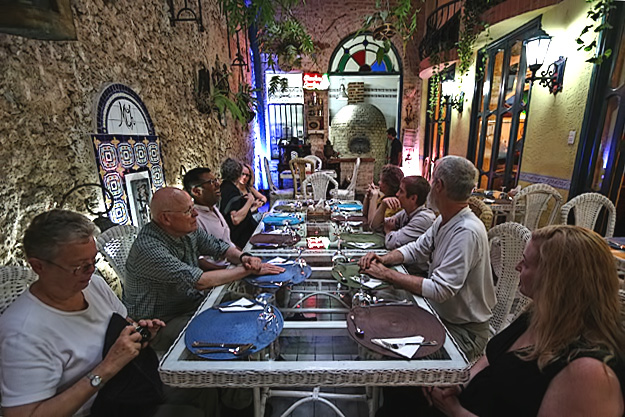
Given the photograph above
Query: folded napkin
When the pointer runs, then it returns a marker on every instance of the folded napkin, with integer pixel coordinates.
(361, 245)
(406, 351)
(372, 283)
(280, 261)
(242, 304)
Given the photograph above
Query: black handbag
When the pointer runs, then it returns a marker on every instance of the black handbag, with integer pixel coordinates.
(137, 389)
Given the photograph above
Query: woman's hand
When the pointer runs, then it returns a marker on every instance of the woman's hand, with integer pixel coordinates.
(446, 400)
(125, 349)
(153, 326)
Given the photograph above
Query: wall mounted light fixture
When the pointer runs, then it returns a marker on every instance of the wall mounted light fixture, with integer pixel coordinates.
(535, 51)
(186, 13)
(450, 90)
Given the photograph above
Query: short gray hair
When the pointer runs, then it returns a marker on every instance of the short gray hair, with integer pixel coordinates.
(231, 170)
(51, 230)
(459, 176)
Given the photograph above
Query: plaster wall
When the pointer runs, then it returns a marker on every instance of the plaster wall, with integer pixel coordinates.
(47, 93)
(551, 118)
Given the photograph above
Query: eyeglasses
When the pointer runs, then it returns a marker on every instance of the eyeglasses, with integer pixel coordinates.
(188, 212)
(212, 181)
(81, 269)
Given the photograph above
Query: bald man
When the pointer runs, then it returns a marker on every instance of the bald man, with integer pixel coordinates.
(163, 274)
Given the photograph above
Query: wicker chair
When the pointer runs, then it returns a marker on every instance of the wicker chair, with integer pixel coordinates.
(316, 160)
(350, 192)
(482, 211)
(114, 244)
(319, 182)
(274, 192)
(299, 168)
(14, 280)
(586, 208)
(510, 240)
(535, 200)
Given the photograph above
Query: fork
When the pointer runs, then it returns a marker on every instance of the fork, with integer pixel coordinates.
(398, 345)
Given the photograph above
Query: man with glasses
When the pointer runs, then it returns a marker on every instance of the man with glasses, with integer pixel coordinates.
(203, 187)
(52, 335)
(163, 273)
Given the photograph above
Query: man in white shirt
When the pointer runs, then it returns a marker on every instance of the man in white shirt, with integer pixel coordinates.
(415, 218)
(459, 282)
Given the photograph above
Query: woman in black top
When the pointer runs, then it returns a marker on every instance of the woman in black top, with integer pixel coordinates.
(565, 356)
(235, 206)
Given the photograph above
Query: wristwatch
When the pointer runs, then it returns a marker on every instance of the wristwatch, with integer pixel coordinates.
(244, 254)
(95, 380)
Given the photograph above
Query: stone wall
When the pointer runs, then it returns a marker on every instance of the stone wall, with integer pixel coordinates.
(47, 93)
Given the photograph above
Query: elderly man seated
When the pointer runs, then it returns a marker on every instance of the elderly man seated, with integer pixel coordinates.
(52, 336)
(459, 283)
(163, 273)
(415, 218)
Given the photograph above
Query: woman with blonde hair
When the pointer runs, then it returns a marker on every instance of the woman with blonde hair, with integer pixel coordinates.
(565, 355)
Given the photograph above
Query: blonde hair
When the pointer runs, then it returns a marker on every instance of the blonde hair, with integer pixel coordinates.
(575, 294)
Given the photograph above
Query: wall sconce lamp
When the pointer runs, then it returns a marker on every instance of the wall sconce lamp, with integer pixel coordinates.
(453, 96)
(186, 13)
(535, 51)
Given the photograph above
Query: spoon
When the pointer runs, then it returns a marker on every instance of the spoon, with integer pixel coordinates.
(359, 332)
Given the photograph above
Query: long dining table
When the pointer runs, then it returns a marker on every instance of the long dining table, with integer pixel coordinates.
(314, 349)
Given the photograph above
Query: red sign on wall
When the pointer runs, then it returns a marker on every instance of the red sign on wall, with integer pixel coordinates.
(314, 81)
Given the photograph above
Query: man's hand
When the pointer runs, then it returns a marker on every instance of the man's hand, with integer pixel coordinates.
(269, 269)
(376, 270)
(389, 225)
(392, 203)
(366, 260)
(153, 326)
(446, 400)
(252, 263)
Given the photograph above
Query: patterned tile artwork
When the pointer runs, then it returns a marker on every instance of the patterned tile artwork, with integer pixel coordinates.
(121, 156)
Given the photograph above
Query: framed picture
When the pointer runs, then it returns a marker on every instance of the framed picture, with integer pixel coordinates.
(38, 19)
(139, 192)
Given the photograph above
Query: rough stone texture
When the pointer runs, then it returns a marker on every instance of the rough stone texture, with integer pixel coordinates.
(48, 89)
(360, 121)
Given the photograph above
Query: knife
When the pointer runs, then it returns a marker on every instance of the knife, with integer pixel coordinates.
(200, 344)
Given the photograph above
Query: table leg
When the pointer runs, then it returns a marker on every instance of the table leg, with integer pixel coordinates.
(373, 400)
(259, 407)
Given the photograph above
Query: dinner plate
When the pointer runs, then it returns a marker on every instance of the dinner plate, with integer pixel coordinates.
(239, 328)
(386, 321)
(293, 274)
(351, 276)
(356, 241)
(281, 220)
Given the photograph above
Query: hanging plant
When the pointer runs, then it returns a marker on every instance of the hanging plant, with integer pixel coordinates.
(281, 36)
(277, 85)
(285, 43)
(599, 13)
(385, 23)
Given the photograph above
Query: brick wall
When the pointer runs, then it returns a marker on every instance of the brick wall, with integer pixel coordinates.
(361, 121)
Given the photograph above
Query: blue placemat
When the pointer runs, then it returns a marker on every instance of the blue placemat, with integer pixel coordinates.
(349, 207)
(281, 220)
(293, 274)
(239, 327)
